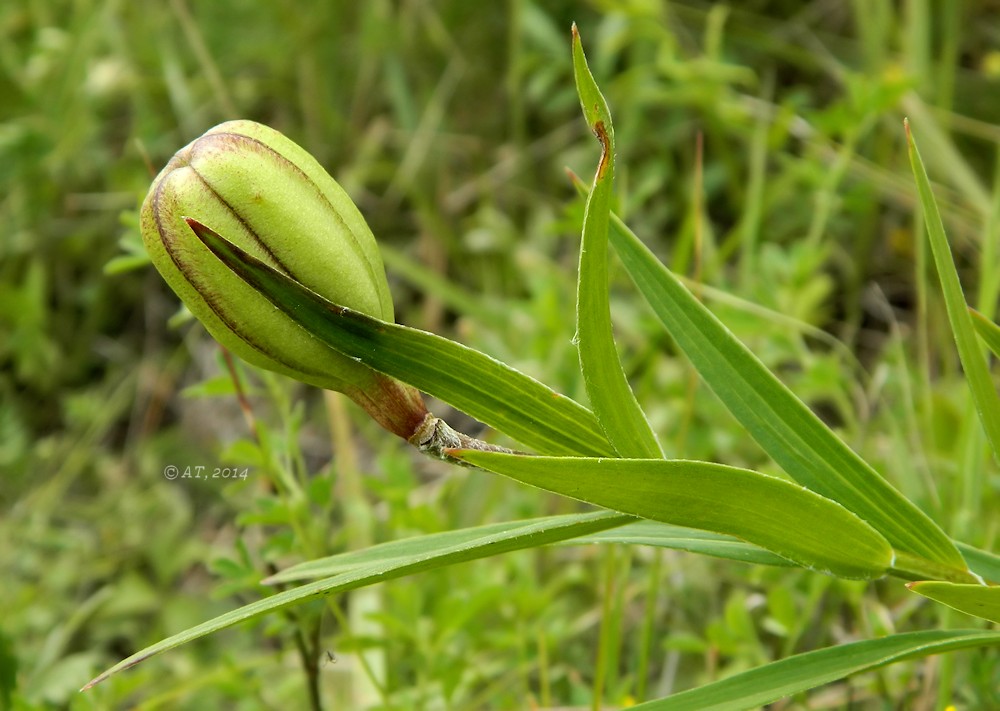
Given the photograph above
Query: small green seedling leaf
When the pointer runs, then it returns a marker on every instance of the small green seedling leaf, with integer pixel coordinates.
(792, 675)
(481, 386)
(772, 513)
(984, 395)
(611, 397)
(976, 600)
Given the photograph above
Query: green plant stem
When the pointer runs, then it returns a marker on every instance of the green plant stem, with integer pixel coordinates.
(648, 623)
(362, 659)
(308, 653)
(544, 686)
(989, 276)
(283, 482)
(749, 228)
(946, 667)
(366, 604)
(604, 640)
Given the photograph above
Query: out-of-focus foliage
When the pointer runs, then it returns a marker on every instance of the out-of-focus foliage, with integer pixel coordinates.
(450, 124)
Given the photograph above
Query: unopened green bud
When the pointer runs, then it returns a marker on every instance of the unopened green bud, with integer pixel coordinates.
(264, 193)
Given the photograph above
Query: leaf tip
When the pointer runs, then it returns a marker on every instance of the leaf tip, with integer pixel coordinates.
(93, 682)
(200, 229)
(602, 135)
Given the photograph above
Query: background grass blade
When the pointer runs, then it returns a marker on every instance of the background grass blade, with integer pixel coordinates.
(422, 554)
(772, 513)
(611, 397)
(481, 386)
(987, 330)
(982, 563)
(792, 675)
(664, 535)
(984, 394)
(781, 423)
(976, 600)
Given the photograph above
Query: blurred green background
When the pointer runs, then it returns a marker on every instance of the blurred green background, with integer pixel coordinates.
(451, 123)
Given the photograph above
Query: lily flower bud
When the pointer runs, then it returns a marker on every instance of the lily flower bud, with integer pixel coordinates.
(266, 194)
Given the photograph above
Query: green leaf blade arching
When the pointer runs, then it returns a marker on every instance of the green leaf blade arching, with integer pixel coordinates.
(977, 600)
(984, 394)
(801, 672)
(425, 553)
(534, 531)
(481, 386)
(611, 397)
(781, 423)
(772, 513)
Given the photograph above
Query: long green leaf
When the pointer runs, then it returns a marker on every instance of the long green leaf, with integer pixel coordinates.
(481, 386)
(981, 562)
(488, 534)
(976, 600)
(775, 514)
(663, 535)
(639, 533)
(611, 397)
(984, 394)
(423, 554)
(801, 672)
(781, 423)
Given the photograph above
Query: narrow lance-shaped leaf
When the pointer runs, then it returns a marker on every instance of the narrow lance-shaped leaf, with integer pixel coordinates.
(611, 397)
(418, 558)
(781, 423)
(772, 513)
(979, 562)
(481, 386)
(976, 600)
(636, 533)
(984, 395)
(801, 672)
(567, 525)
